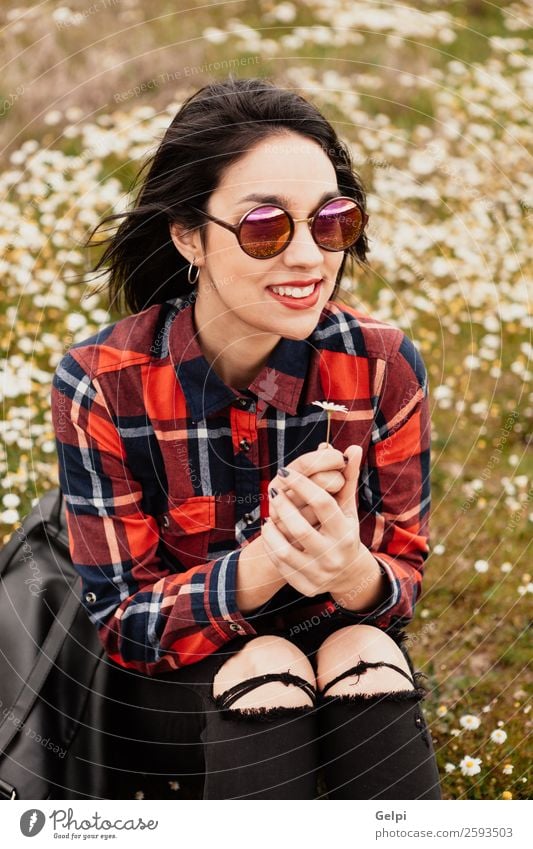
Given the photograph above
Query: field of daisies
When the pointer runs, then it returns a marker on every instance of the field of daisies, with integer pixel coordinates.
(434, 102)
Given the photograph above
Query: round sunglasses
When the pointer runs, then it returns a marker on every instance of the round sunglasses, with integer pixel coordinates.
(266, 230)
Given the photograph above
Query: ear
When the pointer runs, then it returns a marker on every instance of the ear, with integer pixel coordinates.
(187, 241)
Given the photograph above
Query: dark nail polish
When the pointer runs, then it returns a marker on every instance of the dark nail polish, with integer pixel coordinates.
(283, 472)
(273, 492)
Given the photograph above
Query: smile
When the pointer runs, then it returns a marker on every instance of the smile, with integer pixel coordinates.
(299, 297)
(296, 291)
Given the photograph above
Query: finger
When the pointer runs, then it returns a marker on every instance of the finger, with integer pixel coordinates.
(273, 515)
(281, 548)
(325, 507)
(307, 512)
(346, 497)
(330, 481)
(321, 460)
(294, 575)
(297, 526)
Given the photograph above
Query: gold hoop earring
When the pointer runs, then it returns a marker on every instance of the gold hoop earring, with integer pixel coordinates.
(191, 266)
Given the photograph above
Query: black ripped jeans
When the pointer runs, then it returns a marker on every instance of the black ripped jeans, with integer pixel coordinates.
(360, 746)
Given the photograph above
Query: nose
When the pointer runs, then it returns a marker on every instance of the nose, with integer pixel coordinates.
(302, 250)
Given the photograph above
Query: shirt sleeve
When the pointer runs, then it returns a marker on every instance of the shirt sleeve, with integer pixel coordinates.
(148, 617)
(394, 490)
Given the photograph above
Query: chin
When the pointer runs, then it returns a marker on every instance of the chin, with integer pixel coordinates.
(299, 329)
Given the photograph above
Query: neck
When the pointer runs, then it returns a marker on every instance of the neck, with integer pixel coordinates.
(235, 352)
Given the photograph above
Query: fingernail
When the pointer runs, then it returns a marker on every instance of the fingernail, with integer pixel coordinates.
(273, 492)
(283, 472)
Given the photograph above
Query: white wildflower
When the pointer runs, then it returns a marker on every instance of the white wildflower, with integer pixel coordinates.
(498, 735)
(470, 721)
(470, 766)
(330, 408)
(327, 405)
(9, 517)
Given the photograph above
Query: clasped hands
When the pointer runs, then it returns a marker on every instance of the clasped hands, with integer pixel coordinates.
(312, 534)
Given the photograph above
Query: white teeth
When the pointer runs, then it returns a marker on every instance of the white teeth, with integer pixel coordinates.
(294, 291)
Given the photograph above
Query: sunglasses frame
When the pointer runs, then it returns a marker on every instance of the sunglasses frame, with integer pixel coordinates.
(236, 228)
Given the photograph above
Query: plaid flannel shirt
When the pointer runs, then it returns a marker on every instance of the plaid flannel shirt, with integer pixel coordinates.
(165, 472)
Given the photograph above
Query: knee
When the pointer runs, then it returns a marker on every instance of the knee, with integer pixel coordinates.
(261, 655)
(346, 647)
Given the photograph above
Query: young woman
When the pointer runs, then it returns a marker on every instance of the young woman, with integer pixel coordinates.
(250, 564)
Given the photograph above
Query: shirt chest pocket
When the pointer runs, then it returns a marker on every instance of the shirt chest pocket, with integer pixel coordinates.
(186, 529)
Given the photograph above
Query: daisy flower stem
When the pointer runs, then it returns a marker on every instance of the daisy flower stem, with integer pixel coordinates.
(329, 407)
(329, 421)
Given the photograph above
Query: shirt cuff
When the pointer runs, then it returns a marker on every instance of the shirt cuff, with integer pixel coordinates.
(391, 601)
(220, 598)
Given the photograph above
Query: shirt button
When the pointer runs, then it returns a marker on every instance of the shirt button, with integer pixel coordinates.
(235, 627)
(244, 445)
(165, 521)
(90, 598)
(243, 402)
(248, 518)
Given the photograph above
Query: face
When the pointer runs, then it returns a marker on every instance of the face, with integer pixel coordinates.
(234, 287)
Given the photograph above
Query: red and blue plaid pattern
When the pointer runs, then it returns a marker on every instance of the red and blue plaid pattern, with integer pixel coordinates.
(165, 470)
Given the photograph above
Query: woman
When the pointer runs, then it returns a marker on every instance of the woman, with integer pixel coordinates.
(251, 570)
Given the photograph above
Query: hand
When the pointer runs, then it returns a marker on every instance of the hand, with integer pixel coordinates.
(325, 468)
(328, 553)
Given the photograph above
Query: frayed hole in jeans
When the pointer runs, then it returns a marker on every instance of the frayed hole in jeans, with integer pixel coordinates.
(417, 694)
(264, 714)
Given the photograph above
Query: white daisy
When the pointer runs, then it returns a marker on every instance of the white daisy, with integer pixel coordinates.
(498, 735)
(327, 405)
(508, 769)
(470, 721)
(330, 408)
(470, 766)
(481, 566)
(449, 767)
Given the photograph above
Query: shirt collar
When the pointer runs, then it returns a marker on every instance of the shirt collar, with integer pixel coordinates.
(279, 383)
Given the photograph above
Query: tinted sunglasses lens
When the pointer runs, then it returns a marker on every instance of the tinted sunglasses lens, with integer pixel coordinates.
(338, 225)
(264, 232)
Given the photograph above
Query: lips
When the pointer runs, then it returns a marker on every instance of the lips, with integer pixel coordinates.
(298, 303)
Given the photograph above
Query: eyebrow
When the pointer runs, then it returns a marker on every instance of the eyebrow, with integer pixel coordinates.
(285, 201)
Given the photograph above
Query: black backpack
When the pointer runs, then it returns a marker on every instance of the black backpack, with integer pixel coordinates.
(65, 726)
(49, 653)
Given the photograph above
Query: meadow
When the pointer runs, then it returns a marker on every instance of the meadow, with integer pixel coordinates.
(434, 100)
